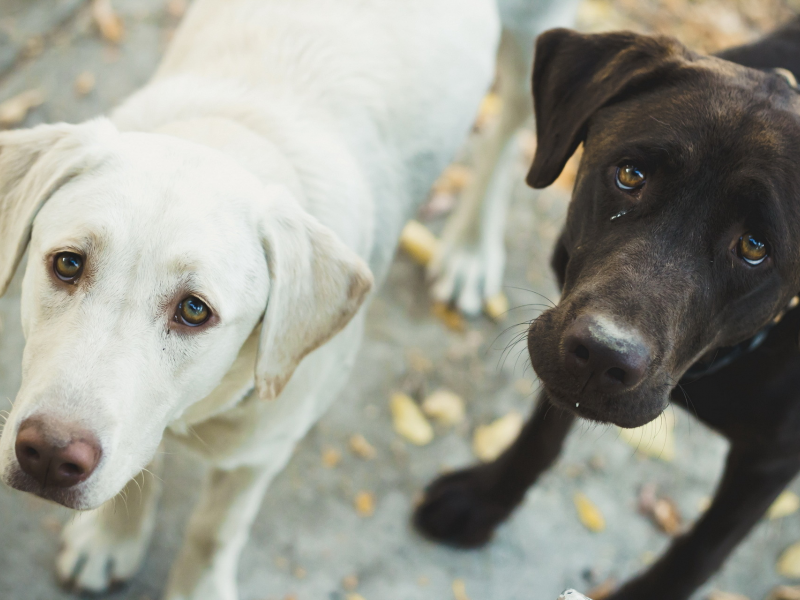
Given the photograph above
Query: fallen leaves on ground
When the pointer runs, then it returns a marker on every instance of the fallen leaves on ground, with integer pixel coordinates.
(359, 446)
(331, 457)
(661, 510)
(84, 83)
(789, 562)
(107, 21)
(786, 504)
(602, 590)
(460, 590)
(409, 421)
(365, 504)
(588, 513)
(418, 242)
(14, 110)
(785, 592)
(720, 595)
(655, 438)
(496, 307)
(444, 407)
(450, 317)
(489, 441)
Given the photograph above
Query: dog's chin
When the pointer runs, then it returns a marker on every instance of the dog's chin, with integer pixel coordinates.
(75, 497)
(630, 410)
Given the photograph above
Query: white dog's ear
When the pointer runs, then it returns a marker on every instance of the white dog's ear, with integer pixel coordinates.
(316, 286)
(34, 163)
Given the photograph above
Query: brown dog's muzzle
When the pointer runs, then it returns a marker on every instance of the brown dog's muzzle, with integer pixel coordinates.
(604, 357)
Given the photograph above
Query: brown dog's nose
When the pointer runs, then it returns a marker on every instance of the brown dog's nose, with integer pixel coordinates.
(604, 356)
(58, 457)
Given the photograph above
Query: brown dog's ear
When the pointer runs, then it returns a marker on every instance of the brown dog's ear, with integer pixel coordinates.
(576, 74)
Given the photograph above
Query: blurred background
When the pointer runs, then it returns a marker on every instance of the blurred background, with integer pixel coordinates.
(334, 525)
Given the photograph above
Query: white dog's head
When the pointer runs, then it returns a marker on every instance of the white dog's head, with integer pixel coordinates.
(150, 262)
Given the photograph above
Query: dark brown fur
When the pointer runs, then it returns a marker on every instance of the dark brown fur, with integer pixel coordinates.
(720, 143)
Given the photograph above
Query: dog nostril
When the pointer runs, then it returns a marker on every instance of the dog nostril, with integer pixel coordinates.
(581, 352)
(617, 374)
(31, 453)
(71, 470)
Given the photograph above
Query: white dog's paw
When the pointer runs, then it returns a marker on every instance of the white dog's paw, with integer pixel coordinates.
(93, 559)
(466, 276)
(211, 585)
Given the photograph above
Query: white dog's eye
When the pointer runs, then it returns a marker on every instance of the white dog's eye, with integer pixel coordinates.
(193, 312)
(68, 266)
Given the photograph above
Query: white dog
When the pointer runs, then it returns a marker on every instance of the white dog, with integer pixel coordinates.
(198, 263)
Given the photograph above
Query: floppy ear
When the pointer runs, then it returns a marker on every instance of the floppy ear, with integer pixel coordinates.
(34, 163)
(576, 74)
(316, 286)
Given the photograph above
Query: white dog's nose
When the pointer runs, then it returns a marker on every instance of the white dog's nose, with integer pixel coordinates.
(56, 456)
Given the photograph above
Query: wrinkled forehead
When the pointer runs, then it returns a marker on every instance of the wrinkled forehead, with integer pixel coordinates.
(175, 206)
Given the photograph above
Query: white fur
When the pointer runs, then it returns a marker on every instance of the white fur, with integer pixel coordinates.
(268, 167)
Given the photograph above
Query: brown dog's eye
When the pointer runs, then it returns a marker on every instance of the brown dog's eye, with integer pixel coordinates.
(68, 266)
(193, 311)
(630, 177)
(752, 250)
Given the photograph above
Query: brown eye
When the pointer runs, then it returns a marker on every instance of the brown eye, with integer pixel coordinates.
(193, 311)
(752, 250)
(68, 266)
(630, 177)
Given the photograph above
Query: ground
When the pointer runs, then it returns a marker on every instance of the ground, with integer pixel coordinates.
(308, 536)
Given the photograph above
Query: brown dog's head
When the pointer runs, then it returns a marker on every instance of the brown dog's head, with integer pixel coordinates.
(683, 235)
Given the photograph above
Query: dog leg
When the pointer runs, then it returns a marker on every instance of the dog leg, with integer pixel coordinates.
(217, 531)
(469, 267)
(751, 482)
(106, 546)
(463, 508)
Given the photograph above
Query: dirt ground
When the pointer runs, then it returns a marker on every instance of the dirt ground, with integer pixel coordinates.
(308, 536)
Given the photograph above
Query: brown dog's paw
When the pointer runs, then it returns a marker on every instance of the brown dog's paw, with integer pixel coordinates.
(459, 510)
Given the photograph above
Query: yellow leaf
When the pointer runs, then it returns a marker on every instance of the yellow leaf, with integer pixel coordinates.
(107, 21)
(588, 513)
(496, 307)
(409, 420)
(489, 441)
(365, 504)
(451, 318)
(654, 439)
(331, 457)
(361, 447)
(789, 562)
(444, 406)
(418, 242)
(460, 590)
(785, 504)
(15, 109)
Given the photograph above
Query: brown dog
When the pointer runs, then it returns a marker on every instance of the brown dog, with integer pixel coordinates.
(679, 264)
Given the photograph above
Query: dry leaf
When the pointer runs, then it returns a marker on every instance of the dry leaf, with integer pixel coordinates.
(489, 441)
(588, 513)
(786, 504)
(454, 179)
(719, 595)
(789, 562)
(176, 8)
(350, 582)
(418, 242)
(460, 590)
(451, 318)
(490, 108)
(331, 457)
(654, 439)
(667, 516)
(107, 21)
(496, 307)
(409, 420)
(365, 504)
(444, 407)
(354, 597)
(361, 447)
(15, 109)
(603, 590)
(785, 592)
(84, 83)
